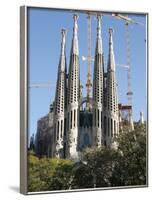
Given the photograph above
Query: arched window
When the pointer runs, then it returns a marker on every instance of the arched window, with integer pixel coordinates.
(98, 117)
(55, 132)
(65, 126)
(108, 127)
(58, 131)
(105, 124)
(114, 127)
(94, 117)
(71, 120)
(101, 119)
(111, 128)
(61, 127)
(86, 140)
(68, 122)
(74, 117)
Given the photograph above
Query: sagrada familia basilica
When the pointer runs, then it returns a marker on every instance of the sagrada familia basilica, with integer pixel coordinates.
(75, 122)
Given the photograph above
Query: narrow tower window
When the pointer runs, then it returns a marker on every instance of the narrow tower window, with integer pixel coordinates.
(55, 132)
(74, 117)
(71, 119)
(101, 119)
(94, 117)
(108, 127)
(105, 125)
(111, 128)
(61, 127)
(58, 131)
(114, 127)
(98, 117)
(64, 126)
(68, 122)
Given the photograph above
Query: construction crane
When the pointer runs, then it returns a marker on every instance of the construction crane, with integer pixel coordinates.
(41, 85)
(128, 61)
(128, 21)
(128, 64)
(122, 65)
(89, 58)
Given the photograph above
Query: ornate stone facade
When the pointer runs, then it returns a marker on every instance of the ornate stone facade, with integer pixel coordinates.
(74, 127)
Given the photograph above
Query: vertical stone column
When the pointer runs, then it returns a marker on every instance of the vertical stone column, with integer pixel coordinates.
(73, 96)
(98, 88)
(112, 113)
(59, 107)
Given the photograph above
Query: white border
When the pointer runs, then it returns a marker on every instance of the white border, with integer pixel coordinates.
(9, 100)
(24, 108)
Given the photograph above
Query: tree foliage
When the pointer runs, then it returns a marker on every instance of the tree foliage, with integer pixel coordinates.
(132, 164)
(47, 174)
(99, 167)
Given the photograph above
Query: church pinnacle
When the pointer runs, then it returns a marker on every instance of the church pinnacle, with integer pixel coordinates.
(73, 95)
(59, 108)
(111, 118)
(98, 88)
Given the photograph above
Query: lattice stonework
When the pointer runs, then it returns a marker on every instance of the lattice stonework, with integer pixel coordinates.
(74, 127)
(73, 96)
(98, 88)
(111, 119)
(59, 107)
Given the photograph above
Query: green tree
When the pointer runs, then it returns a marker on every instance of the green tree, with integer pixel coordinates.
(131, 168)
(61, 179)
(99, 167)
(81, 176)
(101, 163)
(34, 181)
(46, 174)
(124, 166)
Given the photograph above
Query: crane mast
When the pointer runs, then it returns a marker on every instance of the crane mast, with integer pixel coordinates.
(127, 20)
(89, 60)
(128, 62)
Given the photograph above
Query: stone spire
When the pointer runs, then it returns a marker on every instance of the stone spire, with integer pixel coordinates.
(141, 120)
(98, 88)
(111, 118)
(99, 40)
(111, 59)
(59, 107)
(73, 96)
(130, 119)
(74, 47)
